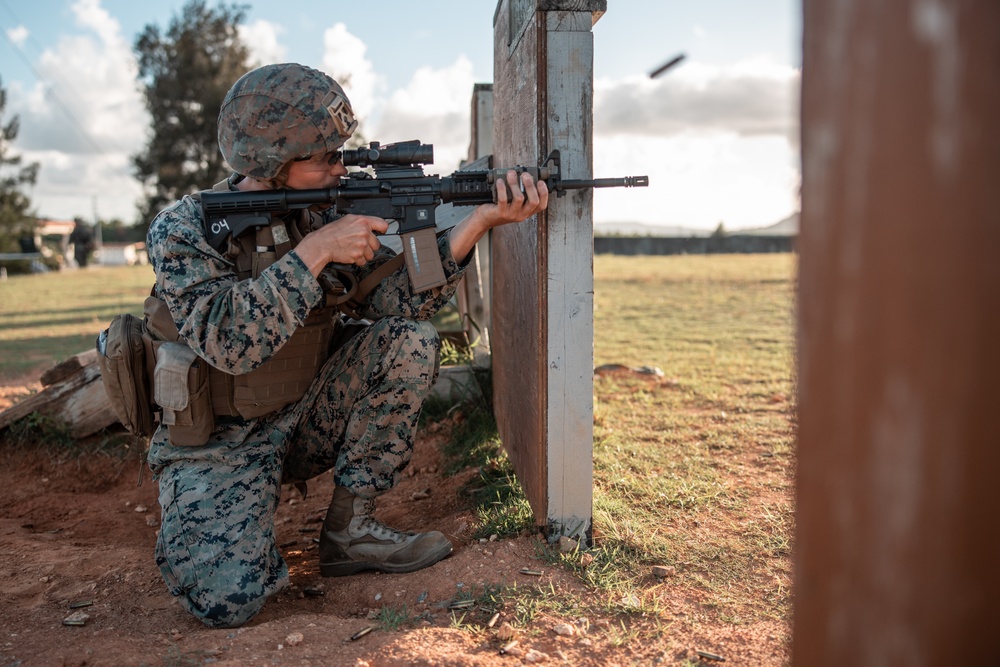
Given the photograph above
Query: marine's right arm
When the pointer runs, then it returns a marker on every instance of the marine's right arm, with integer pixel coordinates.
(234, 324)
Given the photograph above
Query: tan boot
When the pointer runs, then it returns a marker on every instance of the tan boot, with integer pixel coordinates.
(352, 541)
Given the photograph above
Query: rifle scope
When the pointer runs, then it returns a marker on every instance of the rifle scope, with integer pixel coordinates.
(403, 154)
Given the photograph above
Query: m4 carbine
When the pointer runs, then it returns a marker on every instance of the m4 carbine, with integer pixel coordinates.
(399, 191)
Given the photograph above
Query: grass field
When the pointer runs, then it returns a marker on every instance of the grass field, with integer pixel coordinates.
(694, 469)
(45, 318)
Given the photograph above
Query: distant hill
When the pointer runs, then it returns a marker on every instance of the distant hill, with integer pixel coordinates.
(787, 227)
(641, 229)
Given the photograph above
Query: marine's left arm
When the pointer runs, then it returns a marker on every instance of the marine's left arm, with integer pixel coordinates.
(393, 295)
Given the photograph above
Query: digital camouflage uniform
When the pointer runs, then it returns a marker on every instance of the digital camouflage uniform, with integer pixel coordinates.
(216, 547)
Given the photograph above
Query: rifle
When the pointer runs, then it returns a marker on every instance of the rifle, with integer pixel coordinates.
(399, 191)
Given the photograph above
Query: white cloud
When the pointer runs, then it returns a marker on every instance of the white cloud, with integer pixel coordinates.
(261, 37)
(751, 98)
(90, 14)
(435, 108)
(18, 35)
(84, 119)
(344, 59)
(698, 180)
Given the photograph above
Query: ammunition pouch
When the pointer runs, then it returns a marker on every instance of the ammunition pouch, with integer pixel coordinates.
(121, 357)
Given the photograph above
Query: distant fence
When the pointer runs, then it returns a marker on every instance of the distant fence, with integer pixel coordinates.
(697, 245)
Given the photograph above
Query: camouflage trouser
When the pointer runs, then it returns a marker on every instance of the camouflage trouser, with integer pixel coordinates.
(216, 548)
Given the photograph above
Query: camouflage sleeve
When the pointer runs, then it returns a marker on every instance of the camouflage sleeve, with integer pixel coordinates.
(234, 324)
(394, 297)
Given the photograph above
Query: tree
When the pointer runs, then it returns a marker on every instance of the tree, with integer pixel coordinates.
(185, 74)
(15, 221)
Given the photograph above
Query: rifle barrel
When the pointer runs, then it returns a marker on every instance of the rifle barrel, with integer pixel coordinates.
(624, 182)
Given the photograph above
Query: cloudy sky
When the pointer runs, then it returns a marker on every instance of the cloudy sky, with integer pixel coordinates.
(717, 134)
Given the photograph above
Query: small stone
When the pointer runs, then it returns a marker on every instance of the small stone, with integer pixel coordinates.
(506, 632)
(586, 559)
(141, 508)
(533, 656)
(361, 663)
(564, 630)
(568, 545)
(372, 614)
(152, 521)
(294, 639)
(631, 601)
(421, 495)
(294, 501)
(662, 571)
(44, 580)
(378, 596)
(493, 537)
(76, 618)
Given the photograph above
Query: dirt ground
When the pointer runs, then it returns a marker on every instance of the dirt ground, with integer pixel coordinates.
(77, 538)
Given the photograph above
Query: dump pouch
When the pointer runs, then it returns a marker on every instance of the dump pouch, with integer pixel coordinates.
(121, 356)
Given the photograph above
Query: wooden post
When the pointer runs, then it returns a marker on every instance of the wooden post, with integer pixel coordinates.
(899, 455)
(543, 284)
(474, 298)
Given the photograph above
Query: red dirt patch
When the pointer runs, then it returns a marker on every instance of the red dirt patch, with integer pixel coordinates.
(80, 531)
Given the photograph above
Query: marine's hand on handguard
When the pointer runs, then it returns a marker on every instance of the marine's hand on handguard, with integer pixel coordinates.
(517, 200)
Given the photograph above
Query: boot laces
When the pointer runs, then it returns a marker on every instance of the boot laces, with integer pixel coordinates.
(376, 528)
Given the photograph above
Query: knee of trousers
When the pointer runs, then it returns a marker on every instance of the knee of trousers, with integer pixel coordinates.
(223, 594)
(412, 347)
(221, 566)
(220, 610)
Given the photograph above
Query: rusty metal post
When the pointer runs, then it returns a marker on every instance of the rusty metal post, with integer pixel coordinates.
(898, 547)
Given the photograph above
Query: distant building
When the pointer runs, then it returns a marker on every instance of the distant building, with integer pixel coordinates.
(122, 254)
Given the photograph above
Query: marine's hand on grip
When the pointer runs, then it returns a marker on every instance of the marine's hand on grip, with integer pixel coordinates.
(348, 240)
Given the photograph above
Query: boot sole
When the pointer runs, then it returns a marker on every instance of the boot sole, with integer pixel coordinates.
(347, 568)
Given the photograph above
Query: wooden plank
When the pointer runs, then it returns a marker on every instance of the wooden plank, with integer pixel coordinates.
(542, 333)
(78, 400)
(66, 368)
(899, 311)
(570, 279)
(518, 337)
(479, 283)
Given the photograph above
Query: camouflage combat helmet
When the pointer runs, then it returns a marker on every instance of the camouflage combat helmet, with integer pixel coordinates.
(277, 113)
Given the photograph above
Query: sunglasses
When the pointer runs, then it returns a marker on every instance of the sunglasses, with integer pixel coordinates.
(331, 158)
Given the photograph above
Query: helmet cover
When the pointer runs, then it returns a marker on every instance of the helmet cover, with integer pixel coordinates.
(277, 113)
